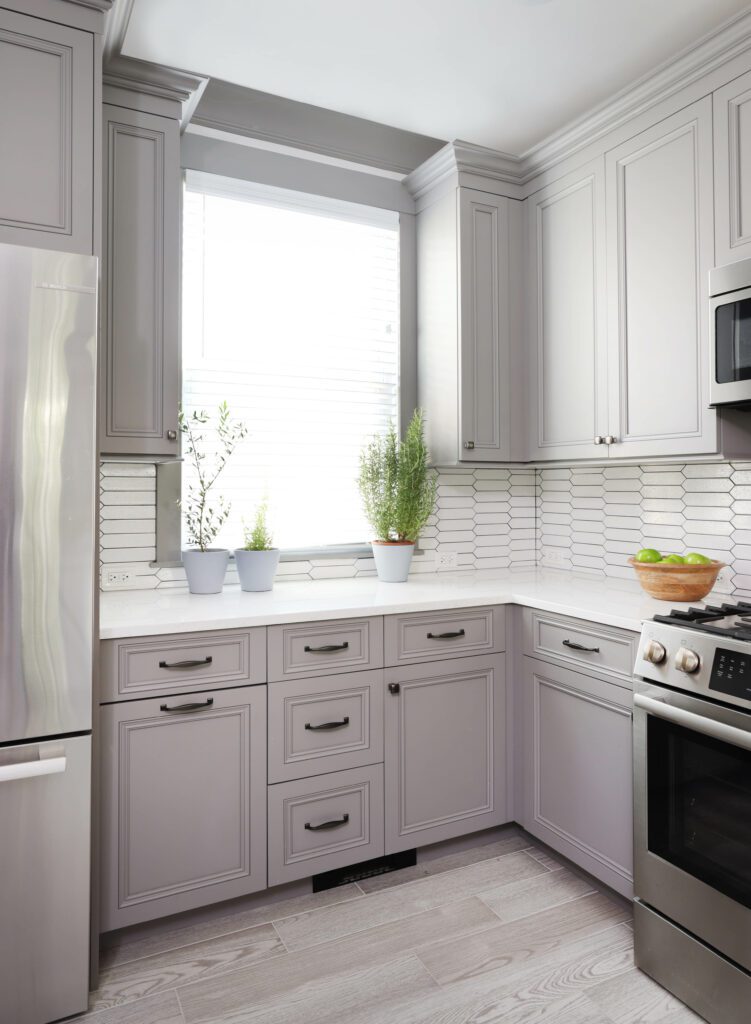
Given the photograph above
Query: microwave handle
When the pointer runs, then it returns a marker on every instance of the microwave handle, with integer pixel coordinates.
(706, 726)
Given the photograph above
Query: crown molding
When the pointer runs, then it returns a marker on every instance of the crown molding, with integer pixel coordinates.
(103, 6)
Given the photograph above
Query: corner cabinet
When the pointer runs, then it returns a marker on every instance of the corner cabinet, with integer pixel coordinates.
(47, 78)
(732, 143)
(140, 284)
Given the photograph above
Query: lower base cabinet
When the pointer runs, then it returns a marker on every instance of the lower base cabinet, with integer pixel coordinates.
(325, 823)
(445, 750)
(576, 743)
(184, 803)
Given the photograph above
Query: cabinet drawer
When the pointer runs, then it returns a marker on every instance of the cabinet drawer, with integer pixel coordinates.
(435, 636)
(180, 663)
(325, 823)
(581, 643)
(321, 648)
(325, 724)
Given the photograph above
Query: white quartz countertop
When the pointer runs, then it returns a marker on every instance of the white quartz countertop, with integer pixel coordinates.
(151, 612)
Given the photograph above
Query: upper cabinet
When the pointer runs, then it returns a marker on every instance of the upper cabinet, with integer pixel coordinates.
(47, 79)
(140, 283)
(732, 139)
(466, 317)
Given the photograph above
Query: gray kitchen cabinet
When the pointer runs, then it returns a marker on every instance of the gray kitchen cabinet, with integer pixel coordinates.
(566, 316)
(577, 762)
(445, 750)
(47, 78)
(660, 249)
(183, 803)
(467, 314)
(140, 355)
(305, 649)
(435, 636)
(732, 155)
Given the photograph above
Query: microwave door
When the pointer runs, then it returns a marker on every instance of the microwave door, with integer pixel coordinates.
(730, 381)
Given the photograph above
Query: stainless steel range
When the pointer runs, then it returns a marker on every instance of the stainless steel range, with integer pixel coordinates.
(692, 805)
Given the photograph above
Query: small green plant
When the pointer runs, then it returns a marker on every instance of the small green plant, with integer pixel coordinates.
(259, 537)
(203, 519)
(398, 489)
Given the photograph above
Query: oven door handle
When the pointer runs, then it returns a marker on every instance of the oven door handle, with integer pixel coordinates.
(706, 726)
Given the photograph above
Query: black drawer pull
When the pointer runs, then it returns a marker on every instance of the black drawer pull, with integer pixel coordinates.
(334, 823)
(580, 647)
(192, 663)
(327, 725)
(446, 636)
(181, 709)
(327, 648)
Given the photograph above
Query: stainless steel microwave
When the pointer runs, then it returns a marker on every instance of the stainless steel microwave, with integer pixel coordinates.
(730, 325)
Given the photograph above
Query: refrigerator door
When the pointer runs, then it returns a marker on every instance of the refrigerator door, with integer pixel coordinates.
(45, 807)
(47, 491)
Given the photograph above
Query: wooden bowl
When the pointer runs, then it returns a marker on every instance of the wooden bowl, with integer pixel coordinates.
(677, 582)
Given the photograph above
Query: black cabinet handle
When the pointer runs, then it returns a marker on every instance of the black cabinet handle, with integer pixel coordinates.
(334, 823)
(394, 688)
(192, 663)
(327, 648)
(580, 647)
(327, 725)
(446, 636)
(181, 709)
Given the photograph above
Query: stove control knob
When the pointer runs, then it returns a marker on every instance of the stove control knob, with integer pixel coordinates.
(654, 652)
(687, 661)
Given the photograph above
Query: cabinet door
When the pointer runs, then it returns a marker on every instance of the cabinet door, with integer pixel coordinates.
(445, 758)
(484, 325)
(183, 803)
(140, 283)
(732, 147)
(566, 316)
(46, 124)
(660, 249)
(577, 769)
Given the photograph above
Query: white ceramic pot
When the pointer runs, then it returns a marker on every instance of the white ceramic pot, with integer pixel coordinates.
(205, 569)
(393, 559)
(256, 569)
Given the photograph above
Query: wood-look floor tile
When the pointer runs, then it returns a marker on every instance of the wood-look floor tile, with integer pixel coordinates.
(634, 998)
(202, 960)
(159, 1009)
(517, 941)
(541, 892)
(315, 968)
(127, 947)
(552, 861)
(508, 843)
(406, 900)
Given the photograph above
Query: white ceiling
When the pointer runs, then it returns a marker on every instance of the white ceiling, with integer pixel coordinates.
(498, 73)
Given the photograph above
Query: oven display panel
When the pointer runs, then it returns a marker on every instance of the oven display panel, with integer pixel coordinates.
(731, 673)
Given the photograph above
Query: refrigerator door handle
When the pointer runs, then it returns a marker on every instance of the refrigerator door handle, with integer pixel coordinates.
(31, 769)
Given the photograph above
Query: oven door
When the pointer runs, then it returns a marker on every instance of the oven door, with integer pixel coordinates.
(730, 380)
(692, 815)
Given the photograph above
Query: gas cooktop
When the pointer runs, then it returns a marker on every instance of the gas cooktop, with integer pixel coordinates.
(730, 620)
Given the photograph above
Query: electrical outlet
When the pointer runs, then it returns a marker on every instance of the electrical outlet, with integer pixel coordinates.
(554, 559)
(116, 579)
(445, 560)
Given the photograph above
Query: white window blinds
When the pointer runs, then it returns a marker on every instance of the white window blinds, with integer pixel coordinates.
(291, 314)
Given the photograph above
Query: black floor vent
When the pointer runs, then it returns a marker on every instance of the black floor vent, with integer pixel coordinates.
(367, 869)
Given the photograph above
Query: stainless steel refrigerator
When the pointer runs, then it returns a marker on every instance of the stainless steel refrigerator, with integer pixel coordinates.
(47, 545)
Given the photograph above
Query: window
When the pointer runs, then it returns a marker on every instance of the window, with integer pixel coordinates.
(291, 314)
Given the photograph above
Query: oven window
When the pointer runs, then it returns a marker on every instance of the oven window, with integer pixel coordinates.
(733, 341)
(699, 800)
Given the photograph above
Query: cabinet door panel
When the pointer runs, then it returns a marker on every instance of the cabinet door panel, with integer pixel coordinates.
(660, 249)
(566, 316)
(732, 137)
(577, 778)
(445, 768)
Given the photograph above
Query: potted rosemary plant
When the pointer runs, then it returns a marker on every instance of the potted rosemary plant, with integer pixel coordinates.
(204, 514)
(257, 561)
(398, 492)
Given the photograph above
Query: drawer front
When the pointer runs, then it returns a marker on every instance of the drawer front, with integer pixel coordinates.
(322, 648)
(180, 663)
(435, 636)
(581, 643)
(325, 823)
(325, 724)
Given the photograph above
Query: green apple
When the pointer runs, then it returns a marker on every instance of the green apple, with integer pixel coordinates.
(694, 558)
(647, 555)
(674, 559)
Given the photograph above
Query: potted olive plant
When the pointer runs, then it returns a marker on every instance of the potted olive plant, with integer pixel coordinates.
(257, 561)
(398, 492)
(204, 514)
